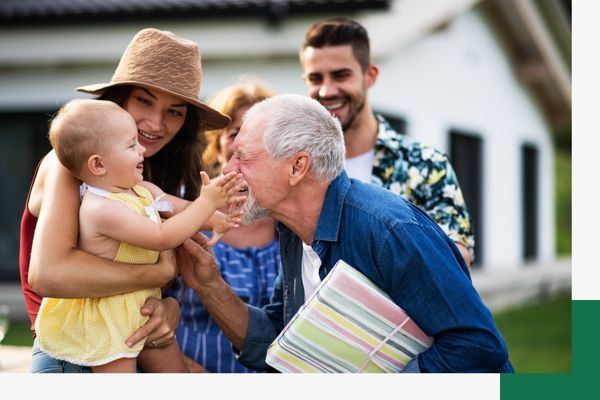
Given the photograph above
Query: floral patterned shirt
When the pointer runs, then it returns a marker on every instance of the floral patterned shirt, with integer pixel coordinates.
(423, 176)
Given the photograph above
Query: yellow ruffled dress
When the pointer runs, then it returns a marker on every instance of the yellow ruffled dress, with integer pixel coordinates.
(93, 331)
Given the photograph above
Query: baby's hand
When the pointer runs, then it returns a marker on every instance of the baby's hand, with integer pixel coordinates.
(222, 190)
(224, 224)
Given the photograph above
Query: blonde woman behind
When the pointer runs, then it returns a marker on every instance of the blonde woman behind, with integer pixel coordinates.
(233, 101)
(248, 256)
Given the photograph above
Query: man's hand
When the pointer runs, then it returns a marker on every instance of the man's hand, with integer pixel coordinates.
(167, 265)
(200, 272)
(196, 262)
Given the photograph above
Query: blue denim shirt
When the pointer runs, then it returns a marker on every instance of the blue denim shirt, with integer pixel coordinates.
(402, 250)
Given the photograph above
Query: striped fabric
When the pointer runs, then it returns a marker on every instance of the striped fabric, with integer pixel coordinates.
(250, 272)
(348, 325)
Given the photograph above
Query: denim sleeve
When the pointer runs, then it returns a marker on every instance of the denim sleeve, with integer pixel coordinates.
(424, 277)
(263, 326)
(412, 367)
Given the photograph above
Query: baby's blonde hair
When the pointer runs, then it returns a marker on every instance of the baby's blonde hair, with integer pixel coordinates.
(80, 129)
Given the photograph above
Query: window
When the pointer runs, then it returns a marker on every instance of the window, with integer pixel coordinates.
(529, 200)
(466, 156)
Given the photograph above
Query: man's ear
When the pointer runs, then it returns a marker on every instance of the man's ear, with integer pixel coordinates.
(96, 165)
(372, 73)
(299, 165)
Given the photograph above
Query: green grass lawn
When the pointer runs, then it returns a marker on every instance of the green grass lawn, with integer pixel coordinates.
(538, 336)
(562, 208)
(18, 334)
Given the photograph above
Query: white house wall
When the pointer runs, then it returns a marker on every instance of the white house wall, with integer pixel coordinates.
(460, 78)
(42, 66)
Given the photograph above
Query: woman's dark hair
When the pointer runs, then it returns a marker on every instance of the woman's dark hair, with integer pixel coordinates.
(176, 167)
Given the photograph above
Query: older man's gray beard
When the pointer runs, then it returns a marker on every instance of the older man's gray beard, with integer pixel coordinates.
(252, 211)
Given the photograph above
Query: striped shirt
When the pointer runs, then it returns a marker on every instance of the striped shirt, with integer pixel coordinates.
(250, 272)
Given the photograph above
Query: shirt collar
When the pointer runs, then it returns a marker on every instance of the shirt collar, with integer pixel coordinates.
(387, 137)
(331, 213)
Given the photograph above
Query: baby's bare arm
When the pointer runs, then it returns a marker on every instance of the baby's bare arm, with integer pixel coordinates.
(58, 268)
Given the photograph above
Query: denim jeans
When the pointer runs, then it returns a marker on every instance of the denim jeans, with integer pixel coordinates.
(42, 362)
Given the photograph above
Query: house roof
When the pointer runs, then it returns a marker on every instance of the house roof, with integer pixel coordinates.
(539, 42)
(537, 34)
(95, 11)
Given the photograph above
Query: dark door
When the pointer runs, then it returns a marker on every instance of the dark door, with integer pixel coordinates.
(23, 141)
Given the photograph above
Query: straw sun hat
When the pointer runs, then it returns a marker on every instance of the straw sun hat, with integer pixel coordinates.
(161, 60)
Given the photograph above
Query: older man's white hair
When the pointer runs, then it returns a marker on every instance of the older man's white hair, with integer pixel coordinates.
(297, 123)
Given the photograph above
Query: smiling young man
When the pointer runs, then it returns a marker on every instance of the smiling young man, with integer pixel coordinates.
(338, 73)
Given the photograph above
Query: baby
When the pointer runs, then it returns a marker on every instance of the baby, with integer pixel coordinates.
(119, 219)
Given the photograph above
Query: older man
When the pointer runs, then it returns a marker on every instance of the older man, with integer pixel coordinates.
(291, 153)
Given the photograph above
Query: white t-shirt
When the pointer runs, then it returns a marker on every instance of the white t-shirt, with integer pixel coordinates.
(361, 166)
(310, 271)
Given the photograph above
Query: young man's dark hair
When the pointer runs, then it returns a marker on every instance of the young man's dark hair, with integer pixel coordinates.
(340, 32)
